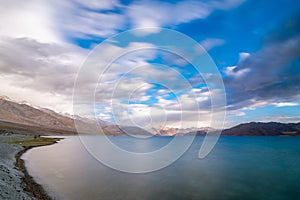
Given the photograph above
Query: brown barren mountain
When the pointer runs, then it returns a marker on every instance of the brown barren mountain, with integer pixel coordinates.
(23, 118)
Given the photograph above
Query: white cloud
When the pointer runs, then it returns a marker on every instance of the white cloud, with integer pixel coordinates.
(282, 118)
(210, 43)
(82, 22)
(240, 114)
(99, 5)
(285, 104)
(52, 21)
(234, 71)
(40, 73)
(160, 115)
(54, 101)
(145, 14)
(28, 19)
(243, 56)
(253, 104)
(230, 71)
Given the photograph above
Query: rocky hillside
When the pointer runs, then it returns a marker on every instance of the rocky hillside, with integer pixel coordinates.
(24, 114)
(20, 117)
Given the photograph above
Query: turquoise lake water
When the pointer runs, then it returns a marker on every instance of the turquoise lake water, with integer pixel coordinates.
(237, 168)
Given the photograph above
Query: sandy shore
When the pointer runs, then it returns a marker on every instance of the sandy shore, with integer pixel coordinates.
(15, 181)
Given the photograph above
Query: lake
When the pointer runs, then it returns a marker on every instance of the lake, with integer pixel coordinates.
(237, 168)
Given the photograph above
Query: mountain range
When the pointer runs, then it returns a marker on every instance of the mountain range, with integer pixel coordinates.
(264, 129)
(23, 118)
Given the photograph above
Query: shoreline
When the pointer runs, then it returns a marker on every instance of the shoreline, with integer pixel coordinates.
(23, 185)
(31, 186)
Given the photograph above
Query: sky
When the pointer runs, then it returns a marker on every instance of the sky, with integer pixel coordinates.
(255, 46)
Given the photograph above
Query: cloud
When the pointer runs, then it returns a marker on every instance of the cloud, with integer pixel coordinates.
(145, 14)
(210, 43)
(30, 19)
(99, 5)
(183, 111)
(56, 21)
(87, 19)
(163, 114)
(240, 114)
(282, 118)
(233, 71)
(42, 74)
(284, 104)
(237, 74)
(47, 72)
(125, 95)
(269, 75)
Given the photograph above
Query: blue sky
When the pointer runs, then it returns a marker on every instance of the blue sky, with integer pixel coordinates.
(254, 44)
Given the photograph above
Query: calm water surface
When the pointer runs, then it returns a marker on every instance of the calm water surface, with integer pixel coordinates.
(237, 168)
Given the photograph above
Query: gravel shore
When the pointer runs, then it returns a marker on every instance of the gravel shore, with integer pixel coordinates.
(15, 181)
(12, 186)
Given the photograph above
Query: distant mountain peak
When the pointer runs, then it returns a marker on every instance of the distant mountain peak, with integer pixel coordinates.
(3, 97)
